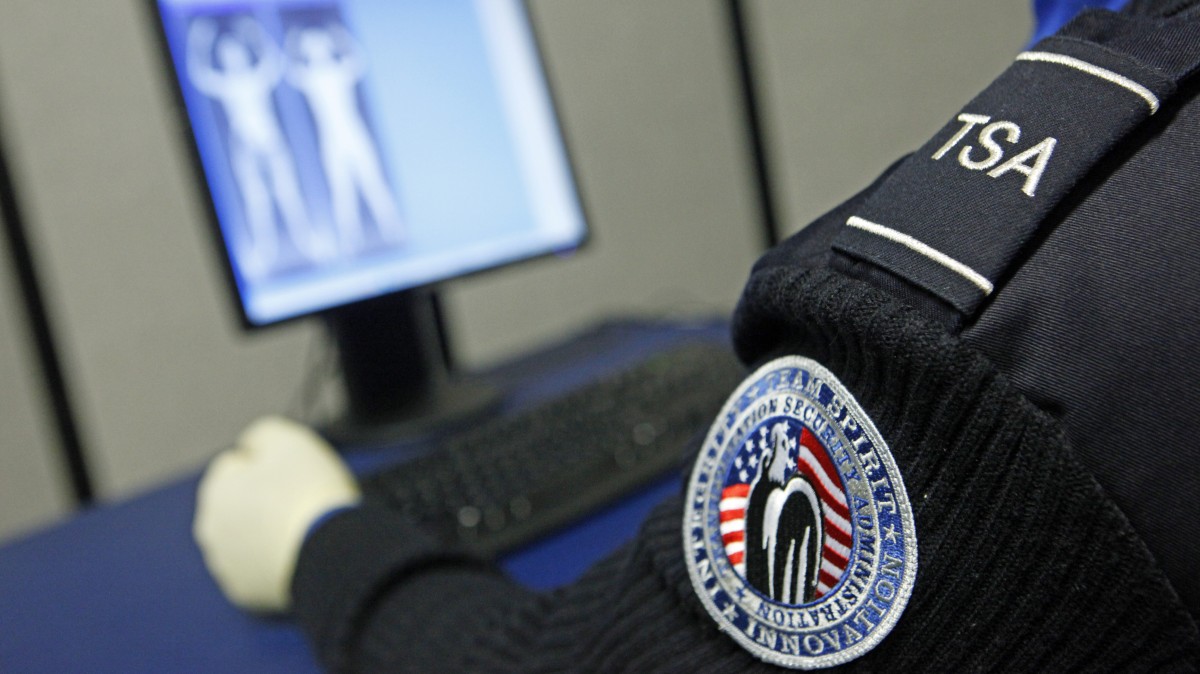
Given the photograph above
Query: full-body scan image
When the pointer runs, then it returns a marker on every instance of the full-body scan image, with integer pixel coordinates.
(249, 66)
(326, 65)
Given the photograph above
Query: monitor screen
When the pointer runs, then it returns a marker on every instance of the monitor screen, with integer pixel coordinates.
(354, 148)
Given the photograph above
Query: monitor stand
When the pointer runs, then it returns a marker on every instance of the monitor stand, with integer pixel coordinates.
(395, 372)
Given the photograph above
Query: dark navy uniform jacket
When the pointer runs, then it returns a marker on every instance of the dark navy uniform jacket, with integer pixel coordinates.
(1016, 306)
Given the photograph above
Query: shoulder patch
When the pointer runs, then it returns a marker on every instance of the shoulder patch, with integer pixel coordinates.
(797, 530)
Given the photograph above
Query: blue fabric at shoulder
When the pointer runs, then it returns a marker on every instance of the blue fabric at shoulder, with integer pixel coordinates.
(1054, 14)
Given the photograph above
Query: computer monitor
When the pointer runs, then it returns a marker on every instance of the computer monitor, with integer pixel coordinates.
(357, 152)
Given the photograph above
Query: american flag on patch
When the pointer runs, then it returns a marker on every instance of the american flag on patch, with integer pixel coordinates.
(811, 460)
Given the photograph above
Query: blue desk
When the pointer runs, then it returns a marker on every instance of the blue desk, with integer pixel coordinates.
(122, 588)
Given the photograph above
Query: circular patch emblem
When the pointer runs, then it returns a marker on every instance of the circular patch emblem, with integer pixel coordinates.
(798, 533)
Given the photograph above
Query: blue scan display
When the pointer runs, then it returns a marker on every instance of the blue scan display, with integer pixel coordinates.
(356, 148)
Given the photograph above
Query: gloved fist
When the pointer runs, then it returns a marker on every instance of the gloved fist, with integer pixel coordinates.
(256, 502)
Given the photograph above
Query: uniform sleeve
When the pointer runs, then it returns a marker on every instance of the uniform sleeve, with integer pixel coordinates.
(376, 594)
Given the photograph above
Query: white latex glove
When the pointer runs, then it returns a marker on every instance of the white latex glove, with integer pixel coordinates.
(255, 504)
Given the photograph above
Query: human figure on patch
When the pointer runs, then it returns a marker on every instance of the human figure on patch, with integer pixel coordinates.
(784, 533)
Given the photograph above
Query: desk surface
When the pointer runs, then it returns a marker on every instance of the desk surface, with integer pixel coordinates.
(122, 588)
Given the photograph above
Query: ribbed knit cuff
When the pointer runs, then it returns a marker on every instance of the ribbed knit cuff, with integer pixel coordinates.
(349, 561)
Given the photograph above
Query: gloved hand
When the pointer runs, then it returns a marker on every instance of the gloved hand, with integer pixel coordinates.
(255, 504)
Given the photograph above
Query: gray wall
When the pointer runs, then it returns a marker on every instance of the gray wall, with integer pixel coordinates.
(161, 377)
(32, 481)
(851, 86)
(647, 97)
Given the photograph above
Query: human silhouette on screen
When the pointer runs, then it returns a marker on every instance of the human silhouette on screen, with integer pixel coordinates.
(248, 67)
(326, 65)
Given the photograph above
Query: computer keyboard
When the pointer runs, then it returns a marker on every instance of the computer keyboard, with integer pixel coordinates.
(516, 478)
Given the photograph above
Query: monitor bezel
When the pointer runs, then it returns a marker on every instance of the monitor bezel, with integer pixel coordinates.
(183, 127)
